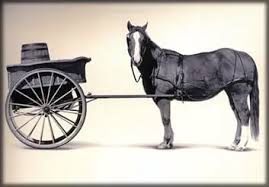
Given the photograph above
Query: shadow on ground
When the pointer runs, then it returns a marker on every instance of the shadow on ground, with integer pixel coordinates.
(191, 146)
(86, 145)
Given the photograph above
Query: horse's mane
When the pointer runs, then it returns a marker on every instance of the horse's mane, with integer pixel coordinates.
(171, 52)
(153, 44)
(163, 50)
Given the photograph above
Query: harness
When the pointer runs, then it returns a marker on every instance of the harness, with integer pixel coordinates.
(179, 80)
(179, 91)
(178, 84)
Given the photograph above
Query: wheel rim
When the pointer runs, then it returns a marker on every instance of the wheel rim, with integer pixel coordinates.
(45, 109)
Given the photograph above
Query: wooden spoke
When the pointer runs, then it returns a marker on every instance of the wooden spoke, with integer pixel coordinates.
(59, 125)
(74, 106)
(67, 103)
(41, 88)
(62, 96)
(42, 130)
(34, 91)
(51, 81)
(80, 100)
(27, 97)
(56, 91)
(34, 127)
(67, 111)
(73, 110)
(25, 105)
(65, 119)
(24, 113)
(51, 130)
(27, 121)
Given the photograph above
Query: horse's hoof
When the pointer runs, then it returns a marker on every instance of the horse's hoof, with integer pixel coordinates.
(164, 145)
(235, 147)
(239, 148)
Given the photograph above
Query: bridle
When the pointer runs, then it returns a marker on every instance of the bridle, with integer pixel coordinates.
(142, 54)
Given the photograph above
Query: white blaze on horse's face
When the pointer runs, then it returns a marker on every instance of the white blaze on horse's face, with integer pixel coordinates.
(137, 48)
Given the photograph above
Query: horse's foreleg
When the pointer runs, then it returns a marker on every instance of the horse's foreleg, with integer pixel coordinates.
(164, 106)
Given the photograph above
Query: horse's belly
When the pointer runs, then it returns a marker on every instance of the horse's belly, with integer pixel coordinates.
(196, 93)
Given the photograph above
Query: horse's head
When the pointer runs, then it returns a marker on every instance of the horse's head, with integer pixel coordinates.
(137, 40)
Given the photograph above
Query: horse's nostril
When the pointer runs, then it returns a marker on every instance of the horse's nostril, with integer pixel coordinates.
(137, 59)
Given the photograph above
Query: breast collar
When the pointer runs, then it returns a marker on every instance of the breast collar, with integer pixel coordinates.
(178, 90)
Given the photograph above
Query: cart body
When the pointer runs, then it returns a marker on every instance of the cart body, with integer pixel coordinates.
(75, 68)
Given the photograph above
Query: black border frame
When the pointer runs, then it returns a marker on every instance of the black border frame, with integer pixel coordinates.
(2, 100)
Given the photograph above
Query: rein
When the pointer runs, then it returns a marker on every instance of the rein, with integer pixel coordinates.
(136, 80)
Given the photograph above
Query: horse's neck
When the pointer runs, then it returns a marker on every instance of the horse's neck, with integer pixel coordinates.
(149, 60)
(149, 66)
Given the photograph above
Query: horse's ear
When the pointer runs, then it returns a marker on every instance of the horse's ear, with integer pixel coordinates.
(145, 26)
(129, 26)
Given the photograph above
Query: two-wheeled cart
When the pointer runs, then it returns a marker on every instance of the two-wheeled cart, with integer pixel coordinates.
(46, 107)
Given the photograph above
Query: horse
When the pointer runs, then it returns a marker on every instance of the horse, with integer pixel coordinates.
(197, 77)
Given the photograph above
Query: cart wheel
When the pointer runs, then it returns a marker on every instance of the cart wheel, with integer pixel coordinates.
(50, 111)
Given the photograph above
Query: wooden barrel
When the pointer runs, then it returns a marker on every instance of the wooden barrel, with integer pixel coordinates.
(34, 52)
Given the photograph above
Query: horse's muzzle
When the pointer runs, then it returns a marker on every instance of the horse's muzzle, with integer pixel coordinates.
(136, 63)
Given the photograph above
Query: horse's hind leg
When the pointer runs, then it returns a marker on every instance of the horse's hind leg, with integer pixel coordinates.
(164, 106)
(238, 95)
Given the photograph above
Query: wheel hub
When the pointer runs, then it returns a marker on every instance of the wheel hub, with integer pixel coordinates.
(46, 109)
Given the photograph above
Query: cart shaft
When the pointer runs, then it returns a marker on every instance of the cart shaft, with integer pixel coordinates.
(89, 96)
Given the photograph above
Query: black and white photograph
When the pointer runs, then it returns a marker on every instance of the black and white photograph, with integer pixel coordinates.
(134, 92)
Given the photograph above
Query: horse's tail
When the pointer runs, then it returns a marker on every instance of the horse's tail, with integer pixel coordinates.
(254, 107)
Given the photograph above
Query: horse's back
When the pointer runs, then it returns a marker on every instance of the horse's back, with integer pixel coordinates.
(172, 52)
(210, 72)
(216, 56)
(224, 63)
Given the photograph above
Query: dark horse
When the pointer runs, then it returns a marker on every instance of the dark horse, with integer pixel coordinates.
(197, 77)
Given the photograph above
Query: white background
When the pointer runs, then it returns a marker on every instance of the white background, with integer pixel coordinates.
(117, 142)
